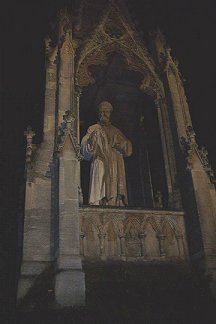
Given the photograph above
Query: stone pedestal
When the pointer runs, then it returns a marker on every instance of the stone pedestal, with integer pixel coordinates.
(70, 288)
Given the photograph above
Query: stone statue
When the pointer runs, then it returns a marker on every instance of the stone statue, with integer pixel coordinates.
(158, 202)
(105, 146)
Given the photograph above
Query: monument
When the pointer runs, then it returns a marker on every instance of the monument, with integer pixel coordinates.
(155, 204)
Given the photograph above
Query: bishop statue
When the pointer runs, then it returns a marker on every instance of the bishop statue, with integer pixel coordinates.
(105, 146)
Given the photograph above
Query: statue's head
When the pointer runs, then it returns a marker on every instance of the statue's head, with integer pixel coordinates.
(105, 109)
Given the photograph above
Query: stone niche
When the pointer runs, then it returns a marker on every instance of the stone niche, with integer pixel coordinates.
(135, 114)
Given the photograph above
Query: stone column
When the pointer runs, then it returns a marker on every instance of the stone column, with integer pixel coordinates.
(207, 215)
(77, 95)
(202, 215)
(169, 154)
(122, 245)
(180, 243)
(200, 191)
(166, 151)
(161, 238)
(102, 237)
(69, 280)
(142, 244)
(173, 82)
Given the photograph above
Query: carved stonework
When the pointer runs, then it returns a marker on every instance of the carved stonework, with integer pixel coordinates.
(65, 130)
(172, 64)
(77, 90)
(67, 46)
(113, 31)
(150, 86)
(132, 62)
(190, 147)
(65, 22)
(51, 51)
(166, 61)
(29, 134)
(128, 233)
(206, 164)
(31, 150)
(117, 35)
(51, 76)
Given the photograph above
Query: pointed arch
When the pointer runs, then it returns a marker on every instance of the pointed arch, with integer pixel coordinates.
(116, 33)
(170, 239)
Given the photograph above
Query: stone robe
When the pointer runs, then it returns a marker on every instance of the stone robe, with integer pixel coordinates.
(105, 146)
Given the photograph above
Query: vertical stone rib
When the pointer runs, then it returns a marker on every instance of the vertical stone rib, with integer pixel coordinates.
(66, 78)
(47, 146)
(165, 153)
(177, 104)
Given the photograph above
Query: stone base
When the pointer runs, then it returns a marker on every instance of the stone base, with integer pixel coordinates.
(70, 288)
(30, 271)
(24, 285)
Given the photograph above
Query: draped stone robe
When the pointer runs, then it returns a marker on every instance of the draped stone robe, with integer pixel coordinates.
(105, 146)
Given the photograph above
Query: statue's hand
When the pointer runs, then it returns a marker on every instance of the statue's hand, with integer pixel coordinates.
(93, 138)
(118, 147)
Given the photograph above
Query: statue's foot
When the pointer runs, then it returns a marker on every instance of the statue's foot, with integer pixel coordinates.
(103, 202)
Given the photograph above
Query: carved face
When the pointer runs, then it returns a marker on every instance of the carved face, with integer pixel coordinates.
(104, 115)
(105, 110)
